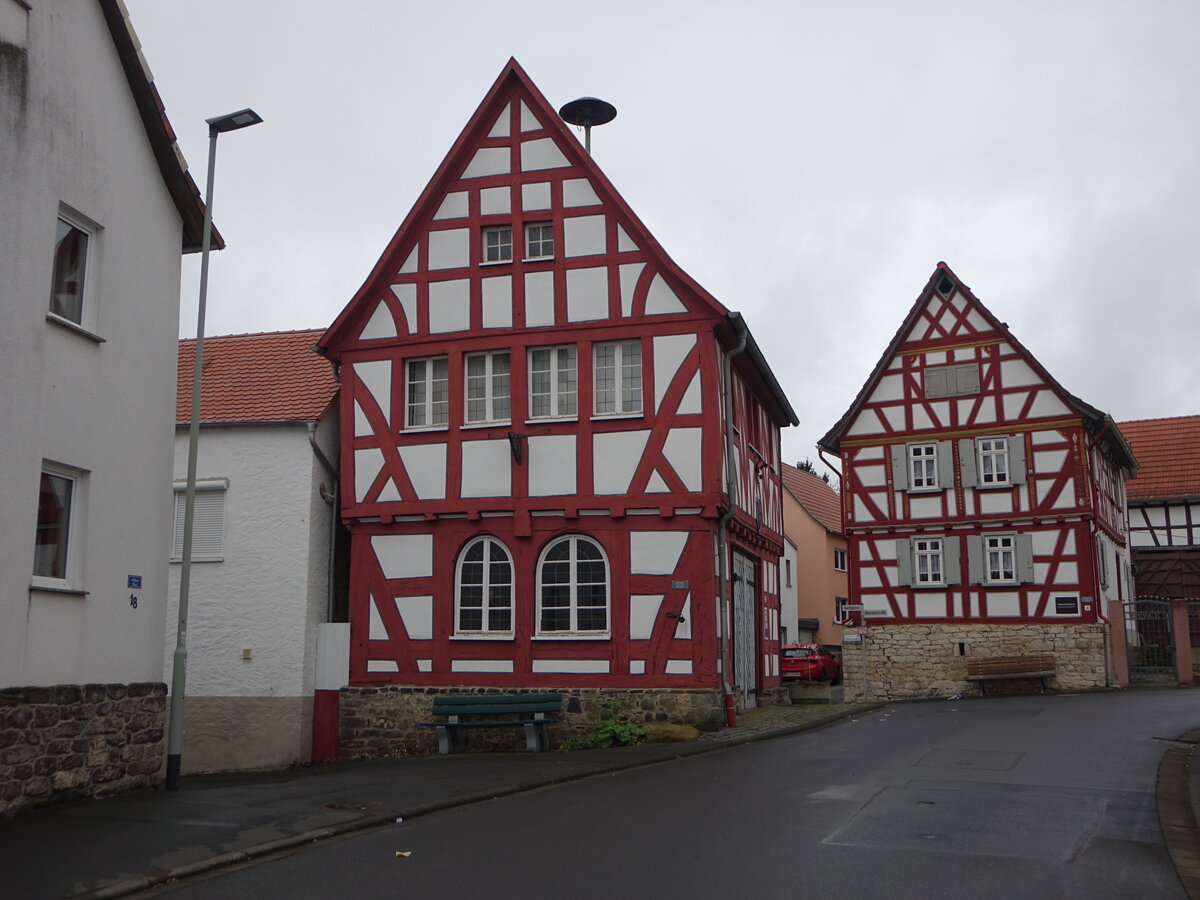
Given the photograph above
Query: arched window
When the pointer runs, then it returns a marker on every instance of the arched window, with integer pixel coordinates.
(483, 589)
(573, 588)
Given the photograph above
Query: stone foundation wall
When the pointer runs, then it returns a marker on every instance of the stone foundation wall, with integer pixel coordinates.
(378, 722)
(74, 740)
(911, 661)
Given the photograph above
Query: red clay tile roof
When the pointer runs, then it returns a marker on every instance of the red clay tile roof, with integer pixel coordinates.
(821, 501)
(272, 377)
(1168, 455)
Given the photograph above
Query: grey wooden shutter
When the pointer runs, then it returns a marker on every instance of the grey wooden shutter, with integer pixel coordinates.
(951, 561)
(903, 562)
(1025, 558)
(945, 464)
(967, 467)
(1016, 459)
(975, 561)
(900, 467)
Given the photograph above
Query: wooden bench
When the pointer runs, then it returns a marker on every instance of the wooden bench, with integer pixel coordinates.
(532, 712)
(997, 668)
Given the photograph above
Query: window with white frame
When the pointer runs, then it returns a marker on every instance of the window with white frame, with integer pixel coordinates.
(617, 382)
(72, 247)
(923, 466)
(841, 614)
(498, 244)
(787, 571)
(484, 589)
(488, 387)
(993, 461)
(208, 521)
(839, 559)
(553, 382)
(539, 240)
(58, 537)
(1001, 552)
(428, 392)
(572, 588)
(928, 565)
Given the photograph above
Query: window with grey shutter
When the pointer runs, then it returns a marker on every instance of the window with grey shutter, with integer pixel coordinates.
(903, 562)
(208, 524)
(980, 558)
(951, 381)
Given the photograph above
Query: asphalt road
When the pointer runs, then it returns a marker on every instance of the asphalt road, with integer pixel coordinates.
(1025, 797)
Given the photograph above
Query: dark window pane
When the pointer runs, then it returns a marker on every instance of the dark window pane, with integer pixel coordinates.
(53, 523)
(70, 258)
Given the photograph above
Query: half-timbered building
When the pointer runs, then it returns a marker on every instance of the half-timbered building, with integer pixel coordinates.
(984, 506)
(554, 445)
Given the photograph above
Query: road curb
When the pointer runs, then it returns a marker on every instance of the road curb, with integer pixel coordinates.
(138, 884)
(1177, 795)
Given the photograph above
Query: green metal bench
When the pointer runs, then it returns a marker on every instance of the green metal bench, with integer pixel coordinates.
(531, 712)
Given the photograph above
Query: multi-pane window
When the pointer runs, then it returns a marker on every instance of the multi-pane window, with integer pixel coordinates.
(428, 398)
(56, 496)
(839, 559)
(498, 244)
(923, 465)
(573, 587)
(488, 387)
(927, 561)
(993, 461)
(1001, 559)
(485, 588)
(539, 240)
(208, 521)
(553, 388)
(617, 386)
(70, 266)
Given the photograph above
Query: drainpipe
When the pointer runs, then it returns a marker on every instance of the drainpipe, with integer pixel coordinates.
(332, 501)
(739, 328)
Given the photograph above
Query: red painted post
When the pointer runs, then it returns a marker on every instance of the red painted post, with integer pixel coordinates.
(1183, 642)
(1120, 646)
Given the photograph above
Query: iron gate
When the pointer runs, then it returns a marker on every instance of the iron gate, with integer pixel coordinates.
(1149, 641)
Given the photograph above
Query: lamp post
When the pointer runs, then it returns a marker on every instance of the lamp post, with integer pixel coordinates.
(231, 122)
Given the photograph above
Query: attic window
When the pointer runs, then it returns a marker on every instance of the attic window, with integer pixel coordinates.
(945, 286)
(952, 381)
(498, 244)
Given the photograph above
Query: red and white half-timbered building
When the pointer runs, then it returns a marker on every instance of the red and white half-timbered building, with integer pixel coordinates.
(984, 507)
(536, 468)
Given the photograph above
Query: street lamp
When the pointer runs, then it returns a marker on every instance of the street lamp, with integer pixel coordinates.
(231, 122)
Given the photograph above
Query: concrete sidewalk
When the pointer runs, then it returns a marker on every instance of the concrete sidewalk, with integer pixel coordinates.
(121, 845)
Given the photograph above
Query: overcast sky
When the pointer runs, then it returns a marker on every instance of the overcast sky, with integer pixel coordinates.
(808, 163)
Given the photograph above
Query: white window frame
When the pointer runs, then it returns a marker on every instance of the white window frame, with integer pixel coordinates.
(72, 574)
(539, 242)
(1000, 559)
(933, 554)
(922, 461)
(429, 407)
(839, 553)
(627, 399)
(86, 322)
(557, 370)
(993, 450)
(840, 612)
(574, 631)
(494, 246)
(208, 524)
(486, 605)
(496, 395)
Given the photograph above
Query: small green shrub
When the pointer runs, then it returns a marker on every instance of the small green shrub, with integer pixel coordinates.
(608, 728)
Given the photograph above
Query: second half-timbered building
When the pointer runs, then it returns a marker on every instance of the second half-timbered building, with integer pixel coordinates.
(556, 446)
(984, 507)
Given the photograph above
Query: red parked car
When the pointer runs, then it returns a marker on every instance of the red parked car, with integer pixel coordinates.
(810, 662)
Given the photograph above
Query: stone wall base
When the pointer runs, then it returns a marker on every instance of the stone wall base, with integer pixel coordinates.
(378, 722)
(78, 740)
(913, 661)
